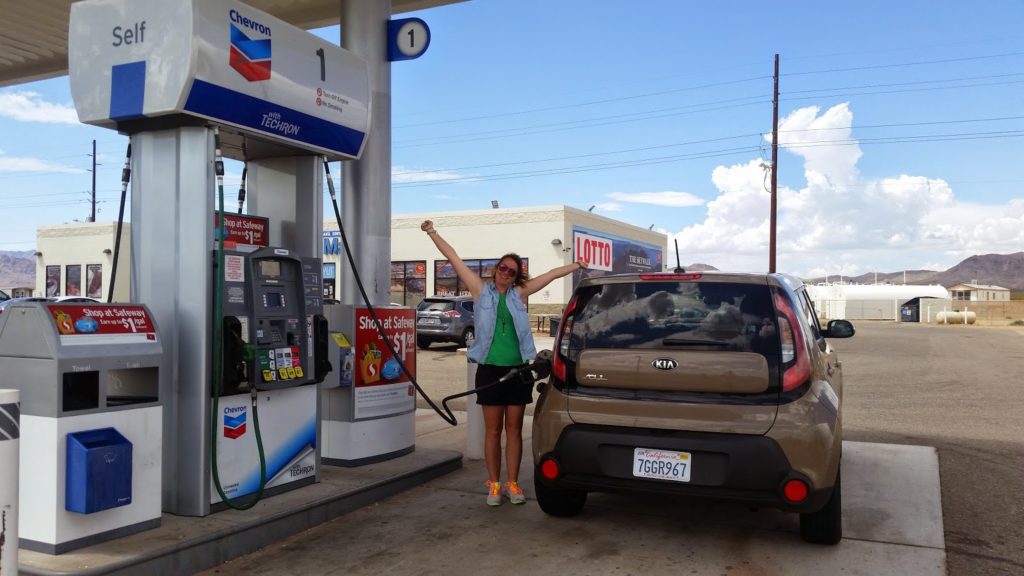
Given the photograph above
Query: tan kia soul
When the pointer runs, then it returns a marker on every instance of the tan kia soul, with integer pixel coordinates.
(704, 384)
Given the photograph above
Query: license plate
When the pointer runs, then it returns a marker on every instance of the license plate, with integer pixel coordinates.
(430, 321)
(661, 464)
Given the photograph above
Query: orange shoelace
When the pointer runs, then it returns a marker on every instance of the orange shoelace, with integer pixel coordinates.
(513, 488)
(495, 488)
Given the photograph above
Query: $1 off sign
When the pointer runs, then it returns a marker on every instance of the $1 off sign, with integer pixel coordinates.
(595, 250)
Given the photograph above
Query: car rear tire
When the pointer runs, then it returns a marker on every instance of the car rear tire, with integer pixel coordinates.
(561, 503)
(826, 525)
(423, 343)
(468, 336)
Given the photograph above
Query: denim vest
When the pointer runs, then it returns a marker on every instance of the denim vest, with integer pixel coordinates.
(485, 317)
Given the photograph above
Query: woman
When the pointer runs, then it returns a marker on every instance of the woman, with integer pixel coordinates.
(503, 342)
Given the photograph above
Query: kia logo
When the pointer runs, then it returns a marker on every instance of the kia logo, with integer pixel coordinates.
(664, 363)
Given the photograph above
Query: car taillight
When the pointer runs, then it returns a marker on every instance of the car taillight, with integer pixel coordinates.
(558, 367)
(451, 314)
(550, 469)
(794, 351)
(795, 491)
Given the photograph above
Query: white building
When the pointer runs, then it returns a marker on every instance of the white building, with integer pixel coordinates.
(77, 259)
(877, 301)
(975, 292)
(545, 237)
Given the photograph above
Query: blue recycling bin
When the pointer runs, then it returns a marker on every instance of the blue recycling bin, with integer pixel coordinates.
(99, 471)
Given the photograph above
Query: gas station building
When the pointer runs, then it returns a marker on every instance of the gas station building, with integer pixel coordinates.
(76, 259)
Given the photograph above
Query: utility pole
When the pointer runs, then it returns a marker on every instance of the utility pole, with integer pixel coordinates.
(92, 216)
(775, 167)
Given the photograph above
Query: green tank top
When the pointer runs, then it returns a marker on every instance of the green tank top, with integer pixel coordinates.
(504, 350)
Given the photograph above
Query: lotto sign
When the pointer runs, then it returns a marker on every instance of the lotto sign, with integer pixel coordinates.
(103, 323)
(595, 250)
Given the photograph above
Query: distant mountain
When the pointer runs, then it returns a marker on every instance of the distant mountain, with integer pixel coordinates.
(1006, 270)
(698, 267)
(17, 268)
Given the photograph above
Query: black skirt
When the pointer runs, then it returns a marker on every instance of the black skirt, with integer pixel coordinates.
(517, 390)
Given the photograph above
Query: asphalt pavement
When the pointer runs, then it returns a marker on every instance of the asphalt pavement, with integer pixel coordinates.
(959, 389)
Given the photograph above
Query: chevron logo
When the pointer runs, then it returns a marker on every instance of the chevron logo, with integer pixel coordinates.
(250, 58)
(234, 425)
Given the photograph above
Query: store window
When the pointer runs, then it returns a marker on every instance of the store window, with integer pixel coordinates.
(447, 283)
(94, 281)
(408, 282)
(73, 280)
(53, 281)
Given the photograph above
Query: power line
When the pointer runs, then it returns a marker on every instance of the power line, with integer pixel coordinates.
(917, 82)
(580, 104)
(902, 64)
(559, 127)
(712, 153)
(905, 90)
(900, 124)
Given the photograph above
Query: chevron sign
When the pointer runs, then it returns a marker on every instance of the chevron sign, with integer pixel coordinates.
(234, 422)
(250, 58)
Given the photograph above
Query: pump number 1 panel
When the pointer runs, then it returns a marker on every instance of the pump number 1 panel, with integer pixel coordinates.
(221, 60)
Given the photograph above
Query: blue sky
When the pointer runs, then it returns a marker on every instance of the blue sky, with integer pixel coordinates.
(902, 126)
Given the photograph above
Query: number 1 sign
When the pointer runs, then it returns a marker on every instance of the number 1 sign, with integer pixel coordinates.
(408, 38)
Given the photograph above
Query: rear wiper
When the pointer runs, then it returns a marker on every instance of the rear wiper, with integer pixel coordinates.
(692, 342)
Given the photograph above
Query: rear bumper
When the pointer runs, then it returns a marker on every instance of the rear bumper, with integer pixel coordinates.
(735, 467)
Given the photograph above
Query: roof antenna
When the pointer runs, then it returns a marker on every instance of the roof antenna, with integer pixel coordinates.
(679, 265)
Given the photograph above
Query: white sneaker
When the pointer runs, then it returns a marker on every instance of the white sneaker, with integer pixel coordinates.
(514, 493)
(493, 493)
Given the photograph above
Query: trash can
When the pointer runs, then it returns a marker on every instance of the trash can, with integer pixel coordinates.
(99, 471)
(555, 321)
(909, 314)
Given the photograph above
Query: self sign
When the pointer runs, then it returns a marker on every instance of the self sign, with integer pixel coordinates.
(129, 35)
(595, 250)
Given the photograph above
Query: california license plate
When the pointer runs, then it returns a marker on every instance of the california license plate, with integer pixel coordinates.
(430, 321)
(661, 464)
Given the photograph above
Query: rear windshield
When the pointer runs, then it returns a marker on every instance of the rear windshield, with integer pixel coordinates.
(719, 315)
(436, 306)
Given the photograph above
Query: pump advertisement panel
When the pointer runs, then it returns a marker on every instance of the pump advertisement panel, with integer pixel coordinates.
(381, 387)
(611, 254)
(103, 324)
(222, 60)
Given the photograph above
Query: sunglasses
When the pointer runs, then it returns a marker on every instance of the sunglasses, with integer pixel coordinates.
(507, 270)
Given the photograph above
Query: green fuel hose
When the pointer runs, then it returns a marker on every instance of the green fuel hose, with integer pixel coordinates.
(218, 352)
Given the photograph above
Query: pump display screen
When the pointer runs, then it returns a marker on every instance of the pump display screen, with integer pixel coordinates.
(270, 268)
(273, 300)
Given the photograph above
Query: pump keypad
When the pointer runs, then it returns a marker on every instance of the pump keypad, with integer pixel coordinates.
(280, 364)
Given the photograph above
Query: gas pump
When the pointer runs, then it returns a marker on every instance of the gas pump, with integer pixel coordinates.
(272, 353)
(243, 335)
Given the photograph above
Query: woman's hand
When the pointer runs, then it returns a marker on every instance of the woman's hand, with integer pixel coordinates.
(427, 226)
(583, 264)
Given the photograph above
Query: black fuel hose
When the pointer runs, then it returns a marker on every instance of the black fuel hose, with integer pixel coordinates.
(126, 174)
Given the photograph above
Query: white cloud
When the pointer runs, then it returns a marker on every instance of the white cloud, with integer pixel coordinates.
(13, 164)
(608, 207)
(26, 106)
(668, 199)
(840, 222)
(402, 175)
